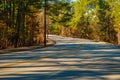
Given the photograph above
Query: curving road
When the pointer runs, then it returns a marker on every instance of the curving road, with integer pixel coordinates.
(69, 59)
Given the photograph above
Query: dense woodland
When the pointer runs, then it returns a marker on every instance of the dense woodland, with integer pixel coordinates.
(22, 21)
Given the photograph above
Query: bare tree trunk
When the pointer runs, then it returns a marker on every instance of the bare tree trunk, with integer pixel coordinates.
(62, 30)
(23, 27)
(18, 24)
(118, 38)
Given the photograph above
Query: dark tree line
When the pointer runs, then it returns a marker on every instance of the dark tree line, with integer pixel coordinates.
(14, 16)
(22, 23)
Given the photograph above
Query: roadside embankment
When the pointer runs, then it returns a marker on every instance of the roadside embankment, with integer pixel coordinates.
(50, 42)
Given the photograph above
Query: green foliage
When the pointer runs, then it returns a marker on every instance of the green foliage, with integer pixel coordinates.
(60, 14)
(93, 19)
(116, 14)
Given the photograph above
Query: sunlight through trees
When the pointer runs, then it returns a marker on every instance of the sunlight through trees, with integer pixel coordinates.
(20, 24)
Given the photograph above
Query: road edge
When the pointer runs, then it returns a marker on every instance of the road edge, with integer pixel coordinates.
(50, 42)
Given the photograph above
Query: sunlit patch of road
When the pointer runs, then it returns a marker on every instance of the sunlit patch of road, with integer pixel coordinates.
(69, 59)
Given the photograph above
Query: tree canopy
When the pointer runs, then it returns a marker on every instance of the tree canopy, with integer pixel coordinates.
(21, 21)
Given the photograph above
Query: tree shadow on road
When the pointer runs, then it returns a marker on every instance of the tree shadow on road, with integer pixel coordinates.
(90, 62)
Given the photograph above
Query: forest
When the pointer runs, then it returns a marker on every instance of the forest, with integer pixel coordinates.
(22, 21)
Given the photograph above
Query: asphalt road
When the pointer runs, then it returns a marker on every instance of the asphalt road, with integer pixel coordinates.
(69, 59)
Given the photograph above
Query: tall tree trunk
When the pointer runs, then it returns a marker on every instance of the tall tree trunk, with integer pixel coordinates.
(118, 38)
(18, 24)
(23, 29)
(23, 24)
(62, 30)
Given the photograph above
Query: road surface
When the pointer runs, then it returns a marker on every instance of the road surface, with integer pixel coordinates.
(69, 59)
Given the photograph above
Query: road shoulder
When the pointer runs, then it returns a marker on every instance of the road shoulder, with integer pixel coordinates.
(49, 43)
